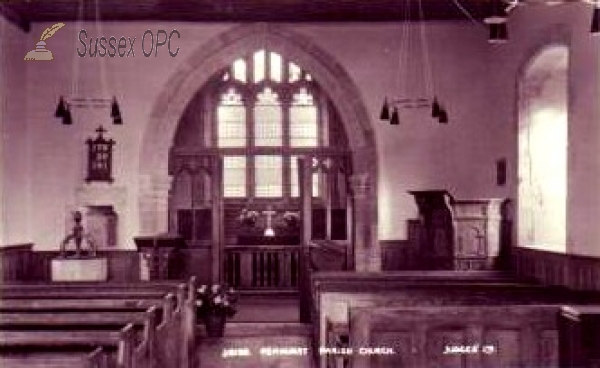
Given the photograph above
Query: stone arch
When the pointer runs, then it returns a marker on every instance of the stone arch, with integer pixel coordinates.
(221, 51)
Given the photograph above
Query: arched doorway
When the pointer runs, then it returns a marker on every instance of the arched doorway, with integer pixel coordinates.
(543, 140)
(209, 61)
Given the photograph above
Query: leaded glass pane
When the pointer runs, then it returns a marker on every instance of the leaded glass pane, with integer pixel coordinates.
(234, 176)
(294, 73)
(268, 176)
(259, 66)
(239, 70)
(268, 130)
(231, 97)
(276, 67)
(304, 131)
(303, 98)
(231, 126)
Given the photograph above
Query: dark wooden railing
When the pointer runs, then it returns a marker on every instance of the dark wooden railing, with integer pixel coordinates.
(262, 266)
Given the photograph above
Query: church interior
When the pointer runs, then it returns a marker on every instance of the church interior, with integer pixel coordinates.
(299, 183)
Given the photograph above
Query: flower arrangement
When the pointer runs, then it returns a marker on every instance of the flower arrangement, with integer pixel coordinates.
(248, 217)
(215, 299)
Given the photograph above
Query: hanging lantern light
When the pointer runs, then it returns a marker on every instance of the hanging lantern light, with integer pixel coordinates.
(385, 111)
(595, 29)
(67, 118)
(443, 116)
(435, 108)
(395, 119)
(115, 112)
(61, 108)
(496, 20)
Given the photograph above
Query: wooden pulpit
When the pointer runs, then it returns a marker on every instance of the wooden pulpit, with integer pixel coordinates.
(437, 236)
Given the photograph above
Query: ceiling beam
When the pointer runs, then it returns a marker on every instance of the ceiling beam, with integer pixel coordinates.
(15, 18)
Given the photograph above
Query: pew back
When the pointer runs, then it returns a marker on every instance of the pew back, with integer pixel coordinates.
(57, 311)
(456, 336)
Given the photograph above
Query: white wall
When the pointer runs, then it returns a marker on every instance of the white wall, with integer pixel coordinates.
(15, 192)
(420, 153)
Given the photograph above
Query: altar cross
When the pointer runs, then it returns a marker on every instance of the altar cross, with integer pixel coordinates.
(269, 213)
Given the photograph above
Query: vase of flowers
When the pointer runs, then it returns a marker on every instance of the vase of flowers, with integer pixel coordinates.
(248, 217)
(291, 219)
(214, 304)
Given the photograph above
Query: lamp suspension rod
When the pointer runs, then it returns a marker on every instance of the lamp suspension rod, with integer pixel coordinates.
(427, 72)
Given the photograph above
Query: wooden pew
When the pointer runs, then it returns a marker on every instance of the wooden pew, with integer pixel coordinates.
(52, 293)
(56, 348)
(7, 305)
(336, 293)
(66, 357)
(172, 340)
(54, 318)
(65, 338)
(579, 337)
(455, 336)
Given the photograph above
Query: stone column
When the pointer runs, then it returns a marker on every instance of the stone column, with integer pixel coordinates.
(367, 252)
(154, 204)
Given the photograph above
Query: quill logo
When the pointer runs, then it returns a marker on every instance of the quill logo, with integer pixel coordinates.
(40, 52)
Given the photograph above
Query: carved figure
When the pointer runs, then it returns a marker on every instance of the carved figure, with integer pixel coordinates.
(77, 236)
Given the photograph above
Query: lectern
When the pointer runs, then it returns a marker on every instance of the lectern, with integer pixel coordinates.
(156, 255)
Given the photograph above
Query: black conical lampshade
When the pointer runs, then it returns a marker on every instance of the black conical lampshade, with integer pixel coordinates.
(395, 119)
(498, 33)
(443, 117)
(435, 108)
(67, 118)
(385, 111)
(115, 112)
(60, 109)
(596, 21)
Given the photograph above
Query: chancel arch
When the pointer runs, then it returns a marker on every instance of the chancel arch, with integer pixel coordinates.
(543, 150)
(202, 89)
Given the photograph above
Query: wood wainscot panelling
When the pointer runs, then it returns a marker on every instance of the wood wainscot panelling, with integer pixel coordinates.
(549, 268)
(15, 260)
(399, 255)
(123, 265)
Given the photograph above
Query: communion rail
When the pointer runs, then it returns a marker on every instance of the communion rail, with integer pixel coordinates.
(274, 267)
